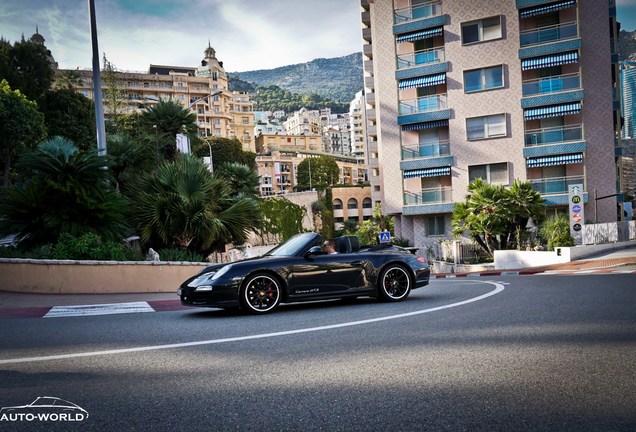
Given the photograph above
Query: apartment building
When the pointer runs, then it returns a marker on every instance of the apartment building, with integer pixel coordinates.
(496, 89)
(278, 169)
(303, 121)
(203, 89)
(357, 127)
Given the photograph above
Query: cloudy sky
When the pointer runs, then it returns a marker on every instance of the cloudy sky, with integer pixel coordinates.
(247, 34)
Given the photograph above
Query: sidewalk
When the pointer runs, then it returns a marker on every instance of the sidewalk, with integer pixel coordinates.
(27, 304)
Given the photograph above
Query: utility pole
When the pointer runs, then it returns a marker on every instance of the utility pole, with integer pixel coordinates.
(97, 84)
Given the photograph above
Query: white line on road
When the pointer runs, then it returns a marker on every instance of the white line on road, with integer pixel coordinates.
(498, 288)
(98, 309)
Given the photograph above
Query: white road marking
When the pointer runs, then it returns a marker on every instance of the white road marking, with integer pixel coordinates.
(99, 309)
(498, 288)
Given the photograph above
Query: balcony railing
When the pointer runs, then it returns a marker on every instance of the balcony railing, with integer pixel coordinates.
(429, 196)
(423, 104)
(549, 34)
(422, 11)
(435, 55)
(555, 185)
(416, 151)
(553, 135)
(552, 84)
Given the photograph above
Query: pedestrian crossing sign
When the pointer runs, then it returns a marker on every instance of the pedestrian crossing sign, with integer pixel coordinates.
(385, 237)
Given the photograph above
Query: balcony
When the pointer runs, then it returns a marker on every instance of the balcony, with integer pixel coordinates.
(555, 185)
(553, 135)
(416, 151)
(418, 12)
(548, 34)
(424, 104)
(552, 84)
(429, 196)
(436, 55)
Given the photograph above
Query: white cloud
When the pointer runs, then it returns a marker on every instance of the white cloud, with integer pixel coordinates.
(247, 34)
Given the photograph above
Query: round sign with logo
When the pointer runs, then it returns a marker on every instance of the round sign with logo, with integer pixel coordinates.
(576, 227)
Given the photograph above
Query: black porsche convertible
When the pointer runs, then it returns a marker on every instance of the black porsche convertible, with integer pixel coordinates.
(298, 270)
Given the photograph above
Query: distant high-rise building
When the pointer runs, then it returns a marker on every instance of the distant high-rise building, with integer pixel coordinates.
(498, 90)
(628, 98)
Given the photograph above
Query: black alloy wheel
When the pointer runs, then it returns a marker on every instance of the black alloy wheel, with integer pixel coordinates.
(261, 294)
(394, 283)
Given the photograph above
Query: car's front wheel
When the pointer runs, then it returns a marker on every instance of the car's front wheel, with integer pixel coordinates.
(260, 294)
(394, 283)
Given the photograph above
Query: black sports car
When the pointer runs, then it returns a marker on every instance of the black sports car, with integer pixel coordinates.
(298, 270)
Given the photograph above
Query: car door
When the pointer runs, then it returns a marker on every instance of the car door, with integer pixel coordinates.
(327, 275)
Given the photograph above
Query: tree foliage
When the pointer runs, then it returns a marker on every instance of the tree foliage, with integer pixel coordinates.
(495, 217)
(556, 231)
(274, 98)
(70, 115)
(226, 150)
(181, 204)
(164, 121)
(21, 126)
(281, 218)
(26, 67)
(62, 190)
(319, 172)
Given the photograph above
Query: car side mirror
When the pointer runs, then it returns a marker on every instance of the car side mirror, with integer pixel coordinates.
(315, 250)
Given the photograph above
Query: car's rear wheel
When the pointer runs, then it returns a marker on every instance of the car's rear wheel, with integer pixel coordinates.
(394, 283)
(261, 293)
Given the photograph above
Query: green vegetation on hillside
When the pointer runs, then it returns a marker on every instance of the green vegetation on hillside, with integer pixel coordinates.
(273, 98)
(338, 78)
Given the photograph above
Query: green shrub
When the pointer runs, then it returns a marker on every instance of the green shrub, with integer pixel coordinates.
(556, 232)
(91, 247)
(175, 254)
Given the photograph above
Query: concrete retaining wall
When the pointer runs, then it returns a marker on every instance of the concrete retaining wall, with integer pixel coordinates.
(94, 277)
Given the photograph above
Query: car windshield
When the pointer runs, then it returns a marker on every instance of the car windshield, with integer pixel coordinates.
(295, 245)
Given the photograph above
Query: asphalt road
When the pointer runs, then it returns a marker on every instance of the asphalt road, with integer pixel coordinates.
(525, 353)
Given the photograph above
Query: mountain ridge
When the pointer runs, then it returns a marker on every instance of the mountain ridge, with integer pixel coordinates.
(338, 78)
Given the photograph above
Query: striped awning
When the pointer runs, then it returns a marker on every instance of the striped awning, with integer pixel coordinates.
(427, 172)
(550, 60)
(544, 9)
(552, 111)
(554, 160)
(425, 125)
(424, 81)
(419, 35)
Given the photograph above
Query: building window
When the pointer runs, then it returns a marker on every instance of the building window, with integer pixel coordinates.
(486, 127)
(352, 204)
(483, 79)
(482, 30)
(491, 173)
(366, 203)
(337, 204)
(435, 226)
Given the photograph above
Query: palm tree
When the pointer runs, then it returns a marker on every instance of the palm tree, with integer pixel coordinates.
(484, 215)
(62, 190)
(182, 204)
(524, 203)
(165, 120)
(69, 79)
(240, 178)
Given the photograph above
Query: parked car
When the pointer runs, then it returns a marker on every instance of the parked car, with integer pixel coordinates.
(299, 270)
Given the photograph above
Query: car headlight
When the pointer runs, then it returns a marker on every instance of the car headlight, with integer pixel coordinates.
(221, 272)
(207, 278)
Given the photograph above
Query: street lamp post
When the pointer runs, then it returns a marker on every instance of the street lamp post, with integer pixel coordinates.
(211, 162)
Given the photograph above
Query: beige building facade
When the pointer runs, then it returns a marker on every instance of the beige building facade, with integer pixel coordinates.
(204, 89)
(514, 89)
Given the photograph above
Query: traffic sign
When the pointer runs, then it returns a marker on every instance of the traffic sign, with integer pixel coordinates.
(385, 237)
